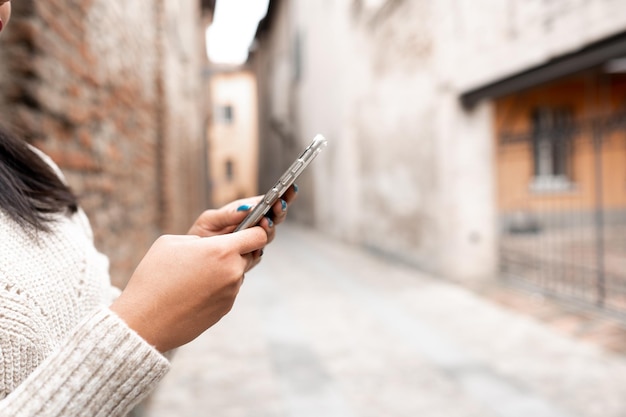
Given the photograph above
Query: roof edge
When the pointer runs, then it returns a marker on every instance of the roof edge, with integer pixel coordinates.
(588, 57)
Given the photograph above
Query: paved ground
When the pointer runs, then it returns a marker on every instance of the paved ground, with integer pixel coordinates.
(325, 330)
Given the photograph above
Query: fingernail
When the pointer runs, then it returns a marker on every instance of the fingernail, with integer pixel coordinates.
(295, 187)
(261, 253)
(283, 205)
(270, 223)
(245, 207)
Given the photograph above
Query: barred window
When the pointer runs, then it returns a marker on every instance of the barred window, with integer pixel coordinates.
(552, 133)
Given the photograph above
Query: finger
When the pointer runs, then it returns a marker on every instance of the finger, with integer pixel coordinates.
(237, 204)
(247, 240)
(235, 212)
(291, 194)
(279, 211)
(250, 261)
(231, 214)
(255, 260)
(269, 226)
(254, 263)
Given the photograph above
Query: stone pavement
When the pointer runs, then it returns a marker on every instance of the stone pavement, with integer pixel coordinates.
(321, 329)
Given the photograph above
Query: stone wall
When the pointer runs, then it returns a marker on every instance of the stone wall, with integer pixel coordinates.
(408, 172)
(97, 85)
(491, 39)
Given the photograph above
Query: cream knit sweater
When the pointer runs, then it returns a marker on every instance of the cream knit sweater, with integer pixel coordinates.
(62, 351)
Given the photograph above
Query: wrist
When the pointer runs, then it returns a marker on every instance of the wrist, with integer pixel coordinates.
(139, 323)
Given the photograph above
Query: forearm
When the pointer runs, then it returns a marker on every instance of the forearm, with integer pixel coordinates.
(103, 369)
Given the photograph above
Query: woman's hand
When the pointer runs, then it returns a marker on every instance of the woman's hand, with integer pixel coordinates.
(185, 284)
(225, 220)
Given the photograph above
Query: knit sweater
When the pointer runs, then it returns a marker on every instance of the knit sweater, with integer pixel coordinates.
(62, 351)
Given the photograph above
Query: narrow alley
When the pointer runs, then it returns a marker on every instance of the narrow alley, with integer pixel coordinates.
(324, 329)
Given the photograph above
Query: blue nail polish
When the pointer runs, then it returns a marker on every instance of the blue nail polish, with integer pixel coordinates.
(295, 187)
(245, 207)
(270, 223)
(283, 205)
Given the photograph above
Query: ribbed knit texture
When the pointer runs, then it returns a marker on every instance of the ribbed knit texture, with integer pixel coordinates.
(62, 351)
(103, 369)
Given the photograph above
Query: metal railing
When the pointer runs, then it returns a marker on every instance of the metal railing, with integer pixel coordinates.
(564, 233)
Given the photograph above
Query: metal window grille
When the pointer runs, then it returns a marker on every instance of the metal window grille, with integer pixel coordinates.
(569, 239)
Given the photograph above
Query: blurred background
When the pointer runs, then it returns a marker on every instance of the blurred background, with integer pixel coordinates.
(471, 203)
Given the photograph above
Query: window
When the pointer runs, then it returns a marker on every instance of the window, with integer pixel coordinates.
(552, 131)
(230, 170)
(224, 114)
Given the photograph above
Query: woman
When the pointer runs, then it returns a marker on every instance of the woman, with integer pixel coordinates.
(68, 349)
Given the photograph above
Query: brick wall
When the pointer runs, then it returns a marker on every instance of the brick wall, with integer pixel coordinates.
(92, 83)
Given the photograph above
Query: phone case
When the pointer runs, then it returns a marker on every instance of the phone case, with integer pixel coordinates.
(284, 182)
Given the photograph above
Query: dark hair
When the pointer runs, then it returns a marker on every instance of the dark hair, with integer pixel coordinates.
(30, 190)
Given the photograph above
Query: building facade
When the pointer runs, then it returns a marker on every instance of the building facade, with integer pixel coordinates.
(233, 135)
(112, 91)
(561, 157)
(407, 93)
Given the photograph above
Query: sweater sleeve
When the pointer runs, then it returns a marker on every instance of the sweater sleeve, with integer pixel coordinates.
(103, 369)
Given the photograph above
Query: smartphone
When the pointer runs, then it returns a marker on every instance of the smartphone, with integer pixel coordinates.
(284, 182)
